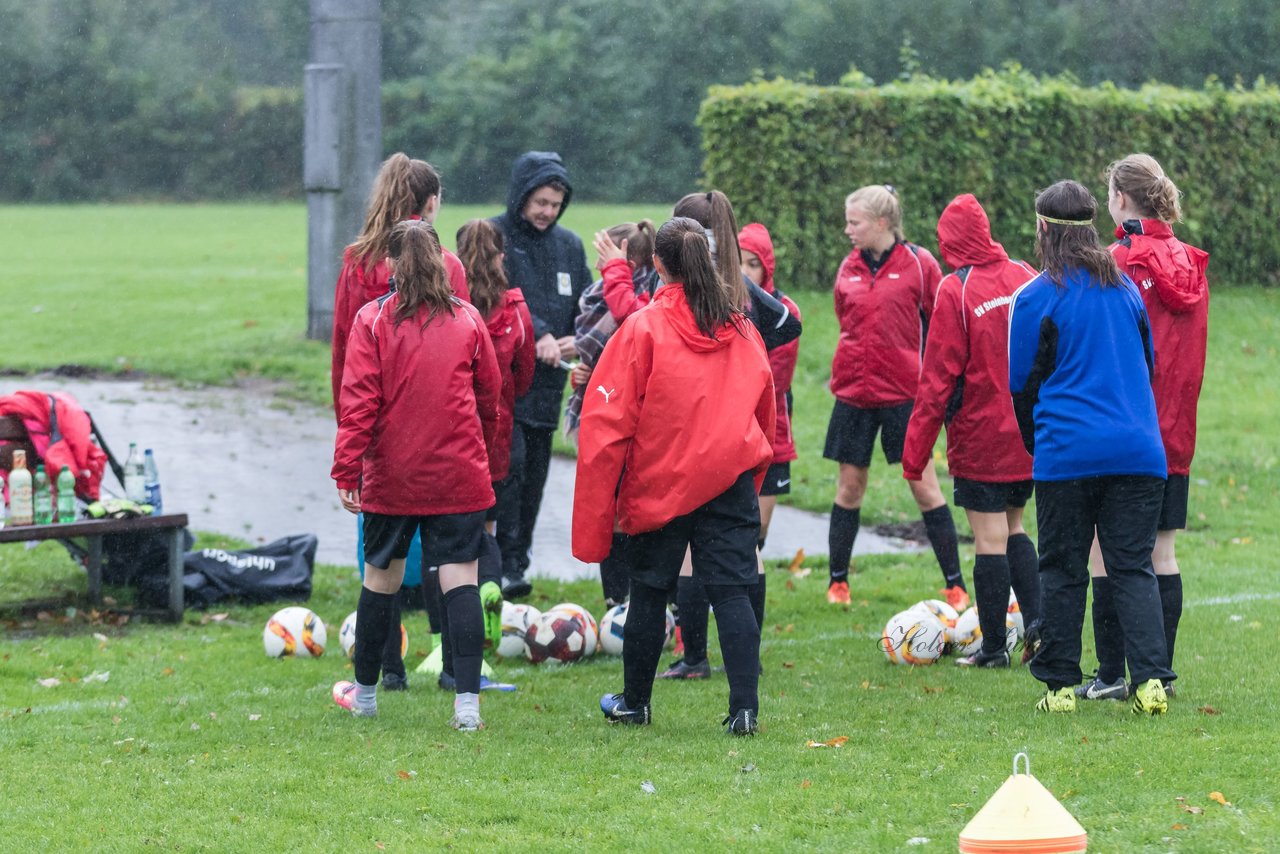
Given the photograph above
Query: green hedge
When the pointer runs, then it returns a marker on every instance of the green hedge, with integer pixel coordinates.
(788, 154)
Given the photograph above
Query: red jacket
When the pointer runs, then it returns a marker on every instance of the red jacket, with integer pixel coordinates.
(754, 238)
(418, 411)
(877, 360)
(1171, 277)
(671, 419)
(357, 286)
(511, 330)
(965, 380)
(62, 435)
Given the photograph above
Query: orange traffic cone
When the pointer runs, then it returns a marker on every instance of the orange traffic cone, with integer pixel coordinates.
(1023, 816)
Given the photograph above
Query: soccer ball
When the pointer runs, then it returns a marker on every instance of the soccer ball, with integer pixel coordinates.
(591, 631)
(966, 637)
(347, 636)
(556, 635)
(516, 620)
(941, 611)
(1015, 615)
(671, 627)
(294, 631)
(912, 637)
(612, 625)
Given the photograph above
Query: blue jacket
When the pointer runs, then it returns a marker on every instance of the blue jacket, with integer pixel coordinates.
(1080, 370)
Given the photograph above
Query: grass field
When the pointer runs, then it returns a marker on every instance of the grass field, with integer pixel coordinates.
(188, 738)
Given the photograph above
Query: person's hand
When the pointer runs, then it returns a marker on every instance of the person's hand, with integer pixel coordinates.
(581, 373)
(350, 499)
(607, 250)
(568, 350)
(547, 350)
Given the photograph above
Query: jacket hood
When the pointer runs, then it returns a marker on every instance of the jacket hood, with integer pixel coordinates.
(671, 296)
(964, 235)
(532, 170)
(754, 237)
(1177, 269)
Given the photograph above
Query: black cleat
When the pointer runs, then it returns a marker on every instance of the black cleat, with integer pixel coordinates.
(742, 722)
(514, 585)
(394, 682)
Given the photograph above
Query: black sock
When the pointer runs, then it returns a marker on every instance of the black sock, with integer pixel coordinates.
(446, 643)
(691, 595)
(1171, 605)
(392, 662)
(615, 578)
(841, 532)
(1108, 635)
(489, 566)
(646, 633)
(431, 600)
(760, 544)
(756, 592)
(466, 631)
(1024, 577)
(739, 644)
(991, 586)
(373, 621)
(941, 529)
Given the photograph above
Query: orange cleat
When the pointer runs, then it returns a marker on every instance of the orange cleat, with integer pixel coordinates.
(838, 593)
(957, 597)
(678, 650)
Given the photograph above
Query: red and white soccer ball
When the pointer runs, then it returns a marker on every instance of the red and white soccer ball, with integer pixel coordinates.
(516, 620)
(556, 636)
(913, 636)
(591, 631)
(347, 636)
(294, 631)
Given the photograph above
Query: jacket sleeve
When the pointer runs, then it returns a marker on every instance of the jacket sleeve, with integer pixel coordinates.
(344, 311)
(522, 368)
(610, 412)
(360, 400)
(1033, 354)
(486, 380)
(776, 323)
(620, 291)
(946, 354)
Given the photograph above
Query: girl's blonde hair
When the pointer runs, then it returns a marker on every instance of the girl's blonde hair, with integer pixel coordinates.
(1140, 177)
(418, 265)
(479, 245)
(881, 202)
(400, 191)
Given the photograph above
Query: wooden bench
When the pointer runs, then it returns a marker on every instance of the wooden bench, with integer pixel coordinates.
(95, 529)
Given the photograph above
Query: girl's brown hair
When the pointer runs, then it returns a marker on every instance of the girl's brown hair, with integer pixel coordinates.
(418, 265)
(1140, 177)
(881, 201)
(639, 237)
(400, 191)
(1066, 237)
(682, 246)
(479, 247)
(714, 213)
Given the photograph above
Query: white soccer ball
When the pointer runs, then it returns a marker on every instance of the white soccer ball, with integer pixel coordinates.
(556, 635)
(294, 631)
(1015, 615)
(941, 611)
(671, 628)
(347, 636)
(590, 630)
(966, 637)
(913, 636)
(612, 625)
(516, 620)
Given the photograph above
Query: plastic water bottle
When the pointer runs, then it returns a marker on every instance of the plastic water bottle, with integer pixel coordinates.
(21, 509)
(66, 495)
(151, 481)
(43, 498)
(135, 485)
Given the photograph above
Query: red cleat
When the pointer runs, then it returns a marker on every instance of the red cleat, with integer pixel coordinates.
(957, 597)
(838, 593)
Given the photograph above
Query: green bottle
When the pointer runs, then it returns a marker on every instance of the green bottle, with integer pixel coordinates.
(42, 497)
(66, 495)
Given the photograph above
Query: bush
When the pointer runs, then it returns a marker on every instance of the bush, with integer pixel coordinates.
(788, 154)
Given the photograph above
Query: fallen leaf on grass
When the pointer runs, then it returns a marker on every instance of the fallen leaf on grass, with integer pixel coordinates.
(838, 741)
(804, 784)
(1208, 710)
(748, 768)
(168, 671)
(796, 561)
(98, 676)
(790, 585)
(788, 665)
(1179, 826)
(100, 637)
(929, 689)
(648, 788)
(213, 618)
(255, 717)
(51, 682)
(1190, 809)
(1218, 798)
(195, 727)
(406, 775)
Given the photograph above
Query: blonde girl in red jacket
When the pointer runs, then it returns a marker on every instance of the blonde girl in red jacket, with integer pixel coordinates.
(884, 293)
(1170, 275)
(417, 414)
(676, 434)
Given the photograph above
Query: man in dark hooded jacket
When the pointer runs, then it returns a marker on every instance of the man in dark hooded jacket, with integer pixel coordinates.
(548, 263)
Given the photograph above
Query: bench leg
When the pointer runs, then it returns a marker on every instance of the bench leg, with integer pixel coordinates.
(93, 565)
(175, 575)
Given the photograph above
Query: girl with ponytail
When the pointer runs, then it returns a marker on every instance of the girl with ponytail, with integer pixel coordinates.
(676, 434)
(417, 413)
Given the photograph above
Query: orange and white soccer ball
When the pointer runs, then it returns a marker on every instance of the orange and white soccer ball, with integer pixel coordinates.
(294, 631)
(913, 636)
(966, 637)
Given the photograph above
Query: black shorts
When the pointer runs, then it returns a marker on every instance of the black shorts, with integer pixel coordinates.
(450, 538)
(851, 433)
(1173, 512)
(777, 480)
(983, 496)
(721, 535)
